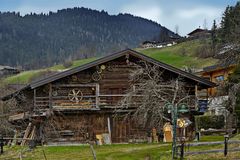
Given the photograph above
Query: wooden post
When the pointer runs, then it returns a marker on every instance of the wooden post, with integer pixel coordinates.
(50, 95)
(109, 130)
(226, 137)
(1, 144)
(182, 151)
(34, 97)
(198, 136)
(196, 96)
(97, 95)
(93, 152)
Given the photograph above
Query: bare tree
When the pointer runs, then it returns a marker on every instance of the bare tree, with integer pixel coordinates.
(152, 92)
(154, 96)
(205, 24)
(177, 29)
(5, 110)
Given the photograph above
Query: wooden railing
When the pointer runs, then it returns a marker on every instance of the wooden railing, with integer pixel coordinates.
(85, 102)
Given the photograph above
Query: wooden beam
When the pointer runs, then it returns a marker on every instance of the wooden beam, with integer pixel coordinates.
(34, 97)
(109, 130)
(97, 95)
(50, 95)
(211, 151)
(196, 95)
(26, 134)
(75, 85)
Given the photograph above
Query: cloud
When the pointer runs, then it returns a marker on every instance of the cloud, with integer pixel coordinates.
(210, 12)
(150, 12)
(187, 17)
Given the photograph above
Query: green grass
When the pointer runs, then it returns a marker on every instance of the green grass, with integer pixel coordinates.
(115, 152)
(75, 64)
(105, 152)
(171, 55)
(27, 76)
(180, 55)
(23, 77)
(211, 138)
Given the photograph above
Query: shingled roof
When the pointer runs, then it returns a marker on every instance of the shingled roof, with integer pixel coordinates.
(110, 57)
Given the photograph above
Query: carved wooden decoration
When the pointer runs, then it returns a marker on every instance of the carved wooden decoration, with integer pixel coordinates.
(103, 67)
(74, 78)
(127, 58)
(96, 76)
(54, 93)
(75, 95)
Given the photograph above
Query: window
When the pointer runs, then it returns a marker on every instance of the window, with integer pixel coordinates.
(219, 78)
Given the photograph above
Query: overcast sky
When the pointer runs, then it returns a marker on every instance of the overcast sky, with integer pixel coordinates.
(187, 14)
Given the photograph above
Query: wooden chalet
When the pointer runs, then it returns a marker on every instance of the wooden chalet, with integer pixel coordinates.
(79, 104)
(199, 33)
(7, 71)
(218, 74)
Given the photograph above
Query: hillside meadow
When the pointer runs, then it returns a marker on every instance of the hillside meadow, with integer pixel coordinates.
(171, 55)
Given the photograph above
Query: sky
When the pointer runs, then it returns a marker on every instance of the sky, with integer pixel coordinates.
(186, 14)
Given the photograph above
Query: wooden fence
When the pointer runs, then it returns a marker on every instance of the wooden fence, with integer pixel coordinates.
(184, 148)
(2, 139)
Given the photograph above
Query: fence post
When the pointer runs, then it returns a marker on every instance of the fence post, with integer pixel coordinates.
(198, 136)
(182, 151)
(1, 144)
(226, 137)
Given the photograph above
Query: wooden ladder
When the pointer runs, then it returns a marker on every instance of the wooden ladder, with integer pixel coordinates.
(29, 133)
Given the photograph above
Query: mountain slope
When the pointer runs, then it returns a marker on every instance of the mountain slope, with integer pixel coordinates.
(170, 55)
(182, 55)
(35, 41)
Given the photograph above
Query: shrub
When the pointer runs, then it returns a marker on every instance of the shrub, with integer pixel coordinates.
(209, 121)
(67, 64)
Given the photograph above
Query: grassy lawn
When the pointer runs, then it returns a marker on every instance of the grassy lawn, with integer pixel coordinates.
(23, 77)
(105, 152)
(117, 152)
(27, 76)
(211, 138)
(180, 55)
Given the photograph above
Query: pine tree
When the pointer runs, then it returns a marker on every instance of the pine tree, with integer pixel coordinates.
(214, 36)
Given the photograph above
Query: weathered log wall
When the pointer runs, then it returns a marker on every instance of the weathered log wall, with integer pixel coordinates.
(83, 127)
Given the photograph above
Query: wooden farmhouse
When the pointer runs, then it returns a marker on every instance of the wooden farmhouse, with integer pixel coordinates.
(218, 74)
(80, 104)
(7, 70)
(199, 33)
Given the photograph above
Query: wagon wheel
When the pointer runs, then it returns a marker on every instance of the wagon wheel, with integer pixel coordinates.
(75, 95)
(96, 76)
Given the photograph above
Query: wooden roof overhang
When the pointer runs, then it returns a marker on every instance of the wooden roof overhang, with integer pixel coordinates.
(200, 81)
(198, 30)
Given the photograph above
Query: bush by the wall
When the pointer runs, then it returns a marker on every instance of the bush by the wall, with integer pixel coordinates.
(209, 121)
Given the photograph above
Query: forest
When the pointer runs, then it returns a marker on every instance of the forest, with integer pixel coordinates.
(40, 40)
